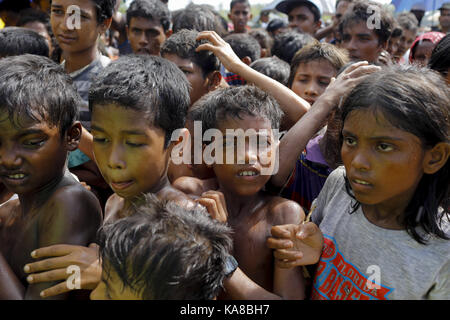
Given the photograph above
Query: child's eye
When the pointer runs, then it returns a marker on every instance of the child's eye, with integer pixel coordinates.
(99, 140)
(136, 145)
(34, 143)
(57, 11)
(385, 147)
(350, 141)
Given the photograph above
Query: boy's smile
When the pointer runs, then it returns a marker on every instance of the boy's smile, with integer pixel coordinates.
(128, 150)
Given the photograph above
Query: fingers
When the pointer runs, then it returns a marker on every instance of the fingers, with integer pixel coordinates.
(283, 231)
(210, 205)
(53, 251)
(306, 230)
(363, 70)
(47, 264)
(49, 276)
(278, 244)
(214, 202)
(55, 290)
(286, 264)
(211, 36)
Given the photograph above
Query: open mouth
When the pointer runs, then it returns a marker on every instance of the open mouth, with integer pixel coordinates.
(248, 173)
(121, 185)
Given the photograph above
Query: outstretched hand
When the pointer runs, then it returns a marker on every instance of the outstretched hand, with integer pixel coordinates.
(56, 263)
(221, 49)
(296, 245)
(214, 202)
(341, 86)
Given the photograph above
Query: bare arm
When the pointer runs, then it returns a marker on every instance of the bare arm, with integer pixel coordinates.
(86, 143)
(292, 105)
(74, 219)
(296, 139)
(10, 286)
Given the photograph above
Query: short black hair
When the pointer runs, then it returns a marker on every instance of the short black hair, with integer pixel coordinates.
(286, 44)
(104, 9)
(37, 88)
(32, 15)
(198, 18)
(311, 7)
(16, 41)
(183, 44)
(408, 21)
(150, 9)
(276, 24)
(274, 68)
(263, 37)
(148, 84)
(166, 252)
(359, 11)
(234, 2)
(244, 45)
(223, 103)
(440, 57)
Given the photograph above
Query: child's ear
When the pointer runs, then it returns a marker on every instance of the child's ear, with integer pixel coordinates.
(73, 136)
(247, 60)
(213, 80)
(436, 158)
(263, 52)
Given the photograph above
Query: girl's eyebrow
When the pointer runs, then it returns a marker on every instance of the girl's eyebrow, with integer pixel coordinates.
(348, 133)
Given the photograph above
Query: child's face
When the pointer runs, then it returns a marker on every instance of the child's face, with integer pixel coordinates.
(406, 40)
(312, 78)
(383, 163)
(302, 19)
(128, 151)
(361, 42)
(194, 74)
(146, 36)
(249, 178)
(71, 36)
(31, 156)
(113, 289)
(240, 14)
(423, 52)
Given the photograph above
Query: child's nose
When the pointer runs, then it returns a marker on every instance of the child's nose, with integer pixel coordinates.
(9, 159)
(312, 89)
(361, 161)
(116, 160)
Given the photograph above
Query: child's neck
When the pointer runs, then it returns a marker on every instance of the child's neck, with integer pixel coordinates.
(163, 184)
(37, 198)
(386, 217)
(238, 206)
(76, 60)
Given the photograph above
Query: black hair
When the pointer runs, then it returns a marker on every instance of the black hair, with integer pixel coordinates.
(408, 21)
(166, 252)
(235, 2)
(359, 11)
(223, 103)
(31, 15)
(150, 9)
(244, 45)
(440, 57)
(199, 18)
(417, 101)
(276, 24)
(104, 9)
(264, 39)
(274, 68)
(287, 44)
(315, 52)
(37, 88)
(16, 41)
(183, 44)
(311, 7)
(148, 84)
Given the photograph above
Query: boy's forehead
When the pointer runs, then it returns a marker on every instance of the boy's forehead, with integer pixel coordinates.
(145, 23)
(25, 123)
(244, 121)
(358, 26)
(86, 5)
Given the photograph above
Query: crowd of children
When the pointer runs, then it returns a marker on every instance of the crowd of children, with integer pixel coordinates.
(170, 155)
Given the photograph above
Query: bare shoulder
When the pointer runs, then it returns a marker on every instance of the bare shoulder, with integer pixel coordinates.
(285, 211)
(172, 194)
(74, 199)
(189, 185)
(112, 208)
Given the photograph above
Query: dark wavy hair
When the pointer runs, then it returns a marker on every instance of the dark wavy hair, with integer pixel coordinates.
(417, 101)
(166, 252)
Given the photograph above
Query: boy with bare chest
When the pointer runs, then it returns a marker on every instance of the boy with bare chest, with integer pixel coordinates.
(38, 106)
(245, 121)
